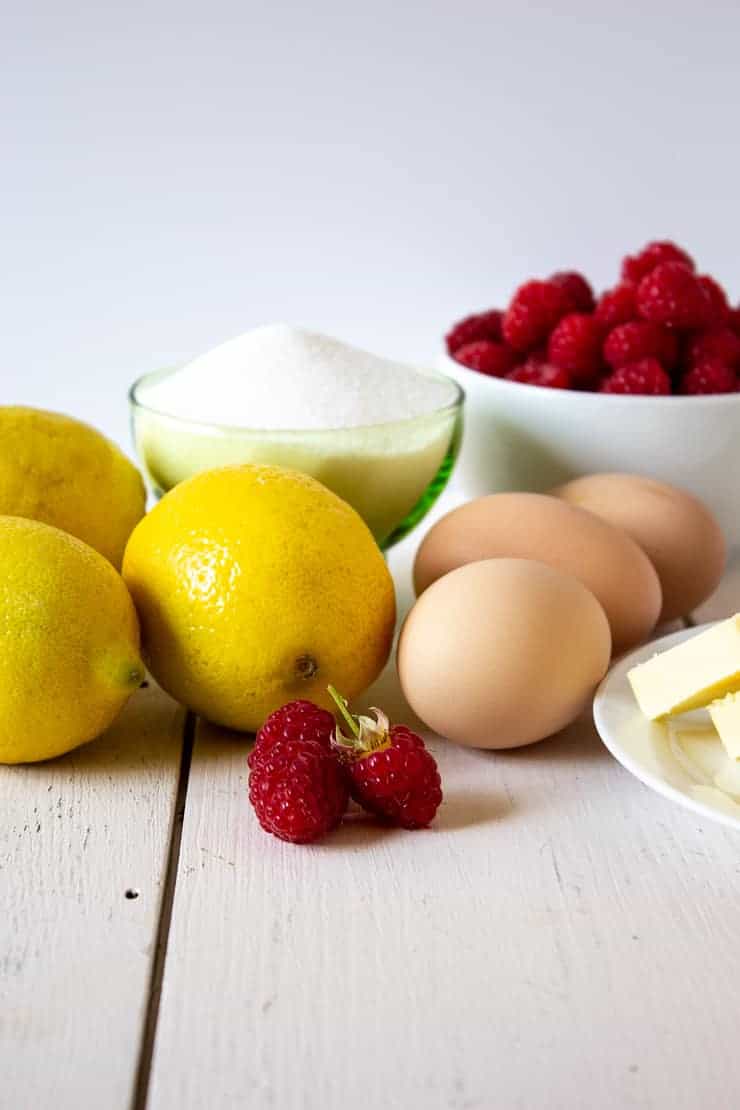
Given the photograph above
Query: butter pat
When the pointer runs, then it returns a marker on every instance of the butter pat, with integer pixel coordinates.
(725, 716)
(691, 675)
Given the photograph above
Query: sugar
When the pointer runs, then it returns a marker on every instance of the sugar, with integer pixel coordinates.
(283, 377)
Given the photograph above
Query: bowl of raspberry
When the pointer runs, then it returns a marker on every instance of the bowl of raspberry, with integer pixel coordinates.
(644, 379)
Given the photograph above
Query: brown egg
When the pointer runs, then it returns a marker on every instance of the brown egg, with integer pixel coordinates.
(534, 526)
(676, 531)
(502, 653)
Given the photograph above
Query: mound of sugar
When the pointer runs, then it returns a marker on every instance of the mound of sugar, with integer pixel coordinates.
(281, 377)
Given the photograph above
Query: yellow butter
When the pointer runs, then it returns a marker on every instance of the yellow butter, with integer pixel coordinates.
(725, 716)
(691, 675)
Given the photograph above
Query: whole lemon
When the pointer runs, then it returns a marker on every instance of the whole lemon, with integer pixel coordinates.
(63, 472)
(256, 585)
(69, 642)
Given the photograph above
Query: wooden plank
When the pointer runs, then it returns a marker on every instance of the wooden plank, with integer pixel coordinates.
(562, 937)
(78, 834)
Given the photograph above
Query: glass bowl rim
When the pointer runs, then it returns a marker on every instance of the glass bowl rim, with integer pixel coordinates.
(456, 405)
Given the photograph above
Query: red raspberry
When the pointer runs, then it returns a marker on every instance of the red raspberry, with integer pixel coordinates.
(481, 325)
(296, 721)
(672, 295)
(537, 372)
(534, 311)
(579, 292)
(640, 339)
(734, 321)
(617, 306)
(709, 376)
(719, 307)
(638, 266)
(645, 376)
(489, 358)
(714, 343)
(298, 790)
(575, 345)
(391, 774)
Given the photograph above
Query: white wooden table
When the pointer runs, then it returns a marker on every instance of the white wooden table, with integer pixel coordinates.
(562, 937)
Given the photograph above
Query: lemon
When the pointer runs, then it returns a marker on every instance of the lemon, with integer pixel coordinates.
(69, 642)
(63, 472)
(256, 585)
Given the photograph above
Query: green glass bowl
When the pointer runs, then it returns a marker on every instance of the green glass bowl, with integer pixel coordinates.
(390, 473)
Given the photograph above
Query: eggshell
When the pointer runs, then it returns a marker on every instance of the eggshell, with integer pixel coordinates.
(535, 526)
(676, 531)
(502, 653)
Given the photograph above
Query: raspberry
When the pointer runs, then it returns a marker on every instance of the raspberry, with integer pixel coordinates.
(719, 308)
(672, 295)
(481, 325)
(391, 774)
(298, 789)
(579, 292)
(638, 266)
(489, 358)
(637, 340)
(715, 343)
(734, 320)
(645, 376)
(575, 345)
(710, 376)
(617, 306)
(536, 371)
(297, 721)
(534, 311)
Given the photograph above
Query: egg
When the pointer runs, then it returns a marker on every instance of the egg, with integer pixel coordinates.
(502, 653)
(676, 531)
(535, 526)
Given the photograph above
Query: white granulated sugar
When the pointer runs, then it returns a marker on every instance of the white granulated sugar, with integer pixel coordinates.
(281, 377)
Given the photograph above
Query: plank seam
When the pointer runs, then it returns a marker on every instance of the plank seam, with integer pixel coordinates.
(144, 1065)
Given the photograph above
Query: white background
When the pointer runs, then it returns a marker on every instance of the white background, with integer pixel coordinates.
(175, 173)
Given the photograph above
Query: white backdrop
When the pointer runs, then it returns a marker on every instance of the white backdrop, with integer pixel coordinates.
(175, 173)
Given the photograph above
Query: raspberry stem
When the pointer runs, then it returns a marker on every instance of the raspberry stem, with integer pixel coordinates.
(343, 707)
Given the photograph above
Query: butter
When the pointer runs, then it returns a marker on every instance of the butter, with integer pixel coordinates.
(691, 675)
(725, 716)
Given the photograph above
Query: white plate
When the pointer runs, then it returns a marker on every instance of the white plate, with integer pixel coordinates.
(683, 758)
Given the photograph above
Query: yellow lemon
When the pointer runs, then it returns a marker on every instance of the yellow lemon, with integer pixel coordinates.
(256, 585)
(63, 472)
(69, 642)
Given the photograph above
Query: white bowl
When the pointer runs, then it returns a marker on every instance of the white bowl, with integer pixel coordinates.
(525, 437)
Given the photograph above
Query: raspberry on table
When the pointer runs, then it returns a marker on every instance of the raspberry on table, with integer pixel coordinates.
(617, 306)
(715, 343)
(719, 306)
(486, 356)
(298, 790)
(481, 325)
(538, 372)
(640, 339)
(575, 345)
(636, 267)
(297, 721)
(579, 292)
(710, 376)
(644, 377)
(671, 294)
(533, 312)
(391, 773)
